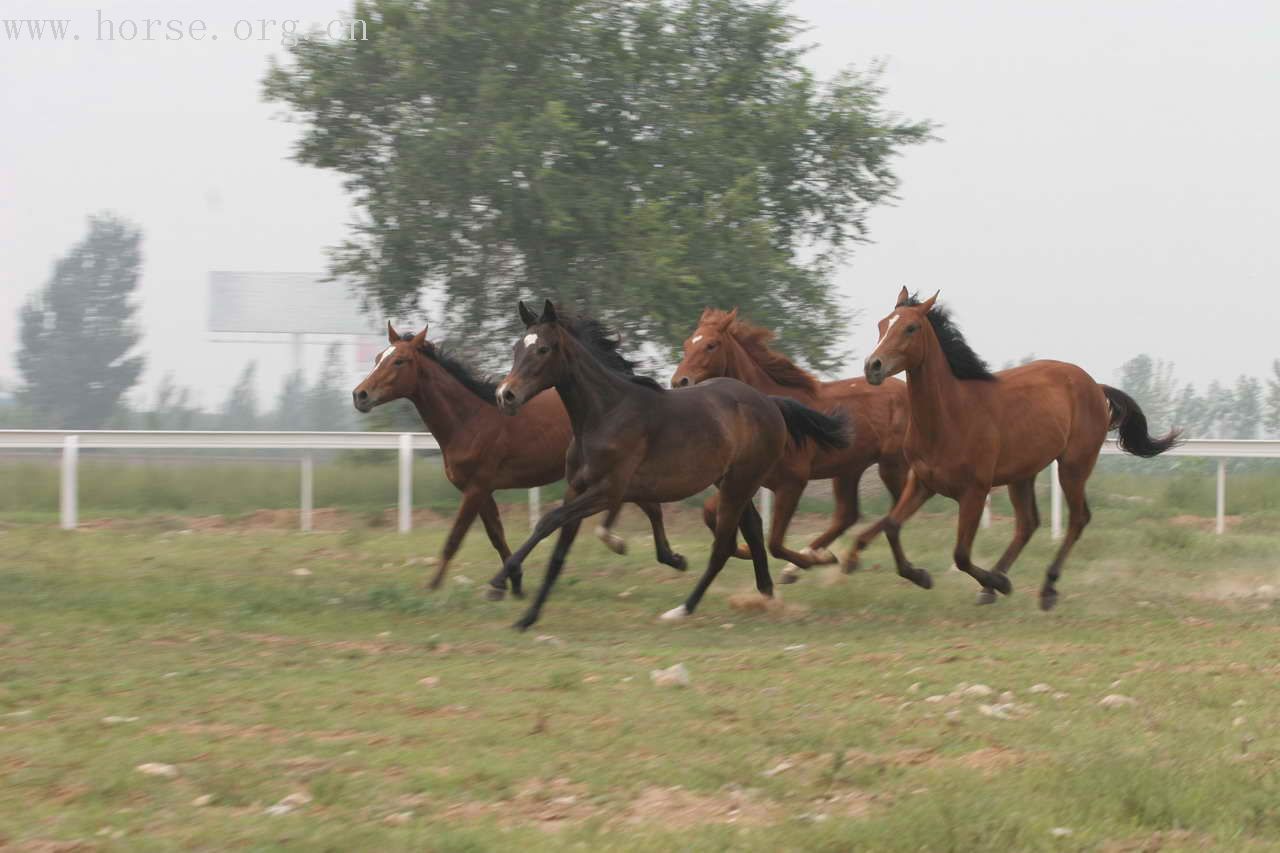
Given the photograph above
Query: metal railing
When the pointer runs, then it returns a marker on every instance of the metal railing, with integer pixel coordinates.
(70, 443)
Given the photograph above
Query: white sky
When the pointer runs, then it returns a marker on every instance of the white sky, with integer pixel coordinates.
(1107, 183)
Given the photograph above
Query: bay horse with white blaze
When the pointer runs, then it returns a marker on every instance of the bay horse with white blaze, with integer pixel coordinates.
(723, 344)
(483, 450)
(971, 429)
(635, 441)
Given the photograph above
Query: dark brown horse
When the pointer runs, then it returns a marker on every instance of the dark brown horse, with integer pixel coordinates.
(483, 451)
(971, 429)
(725, 345)
(635, 441)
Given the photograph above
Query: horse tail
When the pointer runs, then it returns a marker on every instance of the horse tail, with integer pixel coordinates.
(1127, 416)
(829, 431)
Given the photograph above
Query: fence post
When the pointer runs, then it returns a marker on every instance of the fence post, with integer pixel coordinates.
(1222, 497)
(69, 495)
(766, 507)
(1055, 500)
(986, 512)
(406, 482)
(535, 506)
(307, 499)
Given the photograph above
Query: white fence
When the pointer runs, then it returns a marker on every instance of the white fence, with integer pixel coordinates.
(306, 443)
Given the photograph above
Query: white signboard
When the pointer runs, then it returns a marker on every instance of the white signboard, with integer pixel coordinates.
(285, 303)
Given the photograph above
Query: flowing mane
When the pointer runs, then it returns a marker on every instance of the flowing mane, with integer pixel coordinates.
(603, 343)
(964, 362)
(755, 341)
(459, 370)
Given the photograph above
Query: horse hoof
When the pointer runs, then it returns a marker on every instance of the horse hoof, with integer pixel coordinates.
(921, 578)
(675, 614)
(790, 574)
(823, 557)
(1048, 600)
(986, 596)
(999, 582)
(851, 565)
(677, 562)
(495, 594)
(611, 540)
(524, 623)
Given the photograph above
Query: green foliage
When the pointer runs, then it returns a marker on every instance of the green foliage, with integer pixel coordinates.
(637, 159)
(240, 411)
(78, 332)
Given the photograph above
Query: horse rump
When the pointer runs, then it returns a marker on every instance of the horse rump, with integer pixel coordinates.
(830, 431)
(1127, 417)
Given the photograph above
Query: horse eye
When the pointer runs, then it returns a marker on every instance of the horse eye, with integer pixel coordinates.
(711, 346)
(912, 328)
(398, 362)
(544, 349)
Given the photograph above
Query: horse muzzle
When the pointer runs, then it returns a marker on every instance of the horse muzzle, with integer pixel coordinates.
(509, 399)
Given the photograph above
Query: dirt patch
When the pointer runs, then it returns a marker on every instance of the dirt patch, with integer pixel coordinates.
(988, 760)
(1206, 525)
(753, 602)
(560, 802)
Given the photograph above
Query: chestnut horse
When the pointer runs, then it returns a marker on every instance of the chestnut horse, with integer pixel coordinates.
(635, 441)
(483, 451)
(724, 345)
(971, 429)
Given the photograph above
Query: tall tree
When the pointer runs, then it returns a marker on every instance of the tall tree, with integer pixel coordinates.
(1245, 415)
(1272, 422)
(78, 332)
(639, 158)
(328, 401)
(240, 411)
(173, 408)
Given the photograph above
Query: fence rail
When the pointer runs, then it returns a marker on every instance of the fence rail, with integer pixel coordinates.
(305, 443)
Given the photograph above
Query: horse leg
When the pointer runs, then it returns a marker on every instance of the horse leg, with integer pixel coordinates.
(786, 496)
(752, 528)
(972, 504)
(471, 502)
(575, 507)
(845, 490)
(492, 520)
(666, 556)
(1072, 478)
(709, 509)
(728, 512)
(1022, 494)
(604, 532)
(913, 497)
(567, 534)
(895, 474)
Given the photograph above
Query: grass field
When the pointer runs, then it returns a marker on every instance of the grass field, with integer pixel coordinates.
(341, 709)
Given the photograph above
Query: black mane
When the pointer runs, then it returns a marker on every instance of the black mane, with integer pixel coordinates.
(482, 388)
(964, 362)
(603, 343)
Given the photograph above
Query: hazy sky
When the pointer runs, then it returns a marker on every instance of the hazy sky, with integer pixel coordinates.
(1106, 183)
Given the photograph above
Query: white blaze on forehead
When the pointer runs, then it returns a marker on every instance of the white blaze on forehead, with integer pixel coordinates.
(530, 339)
(695, 339)
(895, 318)
(386, 352)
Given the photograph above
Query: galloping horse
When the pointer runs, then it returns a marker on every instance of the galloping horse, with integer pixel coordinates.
(635, 441)
(971, 429)
(724, 345)
(483, 451)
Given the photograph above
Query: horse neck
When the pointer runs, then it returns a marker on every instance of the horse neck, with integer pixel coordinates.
(741, 366)
(934, 393)
(588, 389)
(444, 404)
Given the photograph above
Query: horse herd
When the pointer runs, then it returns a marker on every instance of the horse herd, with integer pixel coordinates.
(741, 416)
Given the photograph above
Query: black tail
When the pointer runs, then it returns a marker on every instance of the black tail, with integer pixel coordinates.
(829, 431)
(1132, 423)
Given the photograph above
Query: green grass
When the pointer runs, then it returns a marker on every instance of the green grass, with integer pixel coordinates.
(257, 683)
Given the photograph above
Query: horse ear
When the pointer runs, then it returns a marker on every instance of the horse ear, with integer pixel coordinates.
(729, 318)
(392, 335)
(420, 339)
(927, 305)
(527, 316)
(903, 297)
(548, 312)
